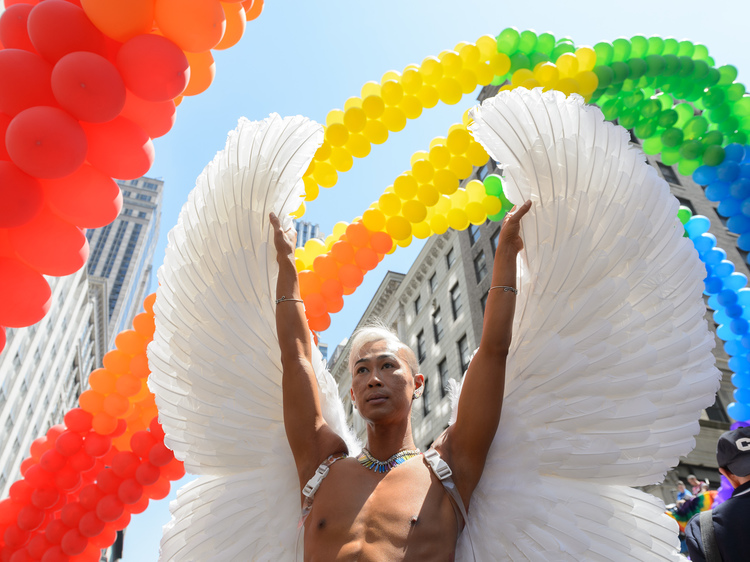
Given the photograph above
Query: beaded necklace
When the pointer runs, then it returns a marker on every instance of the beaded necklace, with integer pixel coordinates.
(368, 461)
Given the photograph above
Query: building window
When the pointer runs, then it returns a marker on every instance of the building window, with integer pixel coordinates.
(483, 301)
(495, 241)
(484, 171)
(421, 347)
(426, 397)
(119, 235)
(125, 193)
(463, 353)
(127, 212)
(668, 173)
(437, 324)
(133, 183)
(150, 185)
(480, 266)
(443, 373)
(433, 283)
(455, 300)
(143, 197)
(716, 412)
(142, 214)
(450, 258)
(687, 203)
(474, 233)
(99, 248)
(418, 304)
(124, 265)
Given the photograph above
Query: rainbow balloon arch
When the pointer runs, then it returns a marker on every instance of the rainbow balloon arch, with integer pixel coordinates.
(83, 480)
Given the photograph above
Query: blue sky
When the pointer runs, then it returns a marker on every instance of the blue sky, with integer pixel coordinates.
(308, 58)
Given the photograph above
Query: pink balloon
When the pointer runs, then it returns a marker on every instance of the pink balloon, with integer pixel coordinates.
(153, 67)
(57, 28)
(46, 142)
(25, 82)
(25, 296)
(21, 196)
(88, 86)
(86, 198)
(13, 32)
(120, 148)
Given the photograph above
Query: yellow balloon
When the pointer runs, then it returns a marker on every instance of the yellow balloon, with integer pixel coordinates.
(484, 73)
(405, 186)
(352, 102)
(470, 55)
(418, 155)
(588, 82)
(374, 220)
(391, 92)
(428, 96)
(390, 204)
(339, 229)
(311, 188)
(370, 89)
(404, 243)
(313, 248)
(476, 154)
(355, 119)
(487, 46)
(499, 63)
(358, 146)
(411, 106)
(439, 224)
(391, 75)
(568, 86)
(423, 171)
(330, 239)
(375, 131)
(445, 181)
(299, 265)
(452, 63)
(443, 205)
(468, 80)
(520, 76)
(428, 194)
(398, 227)
(325, 174)
(394, 119)
(475, 190)
(449, 90)
(457, 219)
(414, 211)
(324, 151)
(492, 205)
(459, 199)
(411, 81)
(460, 166)
(567, 64)
(440, 155)
(334, 117)
(337, 134)
(547, 74)
(431, 70)
(341, 159)
(458, 139)
(373, 106)
(475, 213)
(586, 58)
(530, 84)
(299, 254)
(421, 230)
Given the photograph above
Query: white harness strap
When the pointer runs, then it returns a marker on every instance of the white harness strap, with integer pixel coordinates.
(444, 473)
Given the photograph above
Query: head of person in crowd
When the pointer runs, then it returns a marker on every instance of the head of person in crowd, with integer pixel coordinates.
(733, 456)
(680, 486)
(692, 480)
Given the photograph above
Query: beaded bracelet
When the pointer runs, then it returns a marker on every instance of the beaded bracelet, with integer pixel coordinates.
(504, 288)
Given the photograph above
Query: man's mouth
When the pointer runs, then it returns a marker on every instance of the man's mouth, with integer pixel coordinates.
(377, 399)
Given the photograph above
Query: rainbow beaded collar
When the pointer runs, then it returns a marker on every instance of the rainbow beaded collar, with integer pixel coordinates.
(366, 459)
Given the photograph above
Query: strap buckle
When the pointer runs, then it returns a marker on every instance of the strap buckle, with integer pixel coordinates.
(314, 483)
(439, 466)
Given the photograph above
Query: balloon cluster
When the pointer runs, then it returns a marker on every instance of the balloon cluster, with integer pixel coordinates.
(729, 297)
(86, 478)
(86, 86)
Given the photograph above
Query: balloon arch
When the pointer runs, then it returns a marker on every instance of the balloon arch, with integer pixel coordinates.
(84, 479)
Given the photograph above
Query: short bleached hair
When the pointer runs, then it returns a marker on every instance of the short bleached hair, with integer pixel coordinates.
(377, 331)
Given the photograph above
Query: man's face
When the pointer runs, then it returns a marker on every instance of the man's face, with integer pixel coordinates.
(693, 481)
(382, 383)
(680, 487)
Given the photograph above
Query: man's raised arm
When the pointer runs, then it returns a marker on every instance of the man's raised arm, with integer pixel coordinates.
(310, 438)
(468, 440)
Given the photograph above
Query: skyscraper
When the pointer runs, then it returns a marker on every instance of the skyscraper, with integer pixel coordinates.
(307, 230)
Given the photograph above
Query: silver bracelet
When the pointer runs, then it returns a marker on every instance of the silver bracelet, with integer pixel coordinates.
(505, 289)
(285, 299)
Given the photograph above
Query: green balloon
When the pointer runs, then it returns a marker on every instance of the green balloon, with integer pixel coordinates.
(685, 112)
(741, 107)
(670, 156)
(729, 125)
(493, 185)
(695, 128)
(498, 217)
(633, 100)
(519, 61)
(672, 137)
(614, 89)
(638, 46)
(700, 70)
(652, 145)
(562, 48)
(638, 67)
(713, 155)
(621, 48)
(735, 92)
(665, 100)
(712, 137)
(687, 167)
(605, 74)
(629, 86)
(646, 128)
(687, 65)
(684, 214)
(498, 81)
(507, 41)
(621, 72)
(714, 97)
(719, 114)
(611, 109)
(527, 42)
(655, 46)
(667, 118)
(628, 118)
(671, 65)
(604, 53)
(649, 108)
(691, 149)
(545, 43)
(728, 74)
(700, 52)
(711, 79)
(655, 65)
(686, 49)
(537, 57)
(671, 46)
(740, 137)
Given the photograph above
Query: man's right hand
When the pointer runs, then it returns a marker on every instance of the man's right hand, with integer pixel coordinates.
(284, 240)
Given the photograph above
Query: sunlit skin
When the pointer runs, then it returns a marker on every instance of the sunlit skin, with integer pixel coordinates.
(405, 514)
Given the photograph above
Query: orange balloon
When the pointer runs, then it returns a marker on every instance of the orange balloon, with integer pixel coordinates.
(102, 381)
(128, 385)
(315, 305)
(91, 401)
(382, 242)
(202, 72)
(366, 258)
(253, 8)
(139, 366)
(343, 252)
(334, 306)
(236, 22)
(116, 405)
(194, 25)
(103, 423)
(319, 323)
(143, 323)
(148, 303)
(357, 234)
(325, 266)
(309, 283)
(120, 19)
(332, 290)
(116, 361)
(350, 275)
(131, 342)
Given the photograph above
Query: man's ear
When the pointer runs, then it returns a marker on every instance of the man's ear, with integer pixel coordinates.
(730, 476)
(418, 380)
(351, 394)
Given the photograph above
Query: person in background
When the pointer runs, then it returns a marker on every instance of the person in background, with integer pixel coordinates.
(695, 485)
(682, 493)
(721, 534)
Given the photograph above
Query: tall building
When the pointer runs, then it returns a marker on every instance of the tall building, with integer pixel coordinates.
(120, 262)
(437, 308)
(307, 230)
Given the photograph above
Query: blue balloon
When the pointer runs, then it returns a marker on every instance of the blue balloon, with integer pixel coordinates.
(739, 411)
(727, 298)
(743, 243)
(745, 343)
(722, 317)
(739, 224)
(697, 225)
(740, 188)
(717, 190)
(714, 256)
(728, 171)
(735, 281)
(739, 326)
(729, 207)
(704, 175)
(733, 311)
(713, 285)
(743, 296)
(733, 347)
(745, 169)
(739, 364)
(723, 269)
(741, 379)
(724, 331)
(713, 304)
(742, 395)
(704, 242)
(734, 152)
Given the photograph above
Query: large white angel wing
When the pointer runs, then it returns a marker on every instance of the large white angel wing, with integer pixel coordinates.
(215, 361)
(611, 359)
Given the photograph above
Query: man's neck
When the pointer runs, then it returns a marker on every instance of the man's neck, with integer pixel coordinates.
(384, 441)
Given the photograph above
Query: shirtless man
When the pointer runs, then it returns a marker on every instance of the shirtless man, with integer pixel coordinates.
(403, 513)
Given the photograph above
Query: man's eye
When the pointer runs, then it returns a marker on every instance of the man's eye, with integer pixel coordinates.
(361, 370)
(388, 365)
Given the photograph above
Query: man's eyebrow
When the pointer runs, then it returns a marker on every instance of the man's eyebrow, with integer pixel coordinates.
(378, 358)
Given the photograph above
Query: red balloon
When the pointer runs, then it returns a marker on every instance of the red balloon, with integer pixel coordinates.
(67, 479)
(15, 537)
(55, 531)
(38, 546)
(9, 510)
(46, 142)
(4, 122)
(86, 198)
(13, 31)
(55, 554)
(89, 497)
(25, 83)
(69, 443)
(153, 67)
(156, 118)
(82, 461)
(29, 518)
(74, 543)
(20, 556)
(78, 420)
(125, 463)
(158, 490)
(57, 28)
(120, 148)
(157, 431)
(97, 445)
(20, 491)
(140, 506)
(25, 296)
(45, 498)
(147, 474)
(21, 196)
(109, 508)
(174, 470)
(50, 245)
(52, 461)
(88, 86)
(71, 514)
(141, 443)
(160, 455)
(130, 491)
(106, 537)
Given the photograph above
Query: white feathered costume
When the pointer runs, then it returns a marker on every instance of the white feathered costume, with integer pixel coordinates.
(609, 369)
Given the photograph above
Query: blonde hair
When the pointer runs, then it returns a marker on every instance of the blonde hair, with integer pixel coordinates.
(378, 331)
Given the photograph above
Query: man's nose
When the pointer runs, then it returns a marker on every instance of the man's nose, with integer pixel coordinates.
(374, 380)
